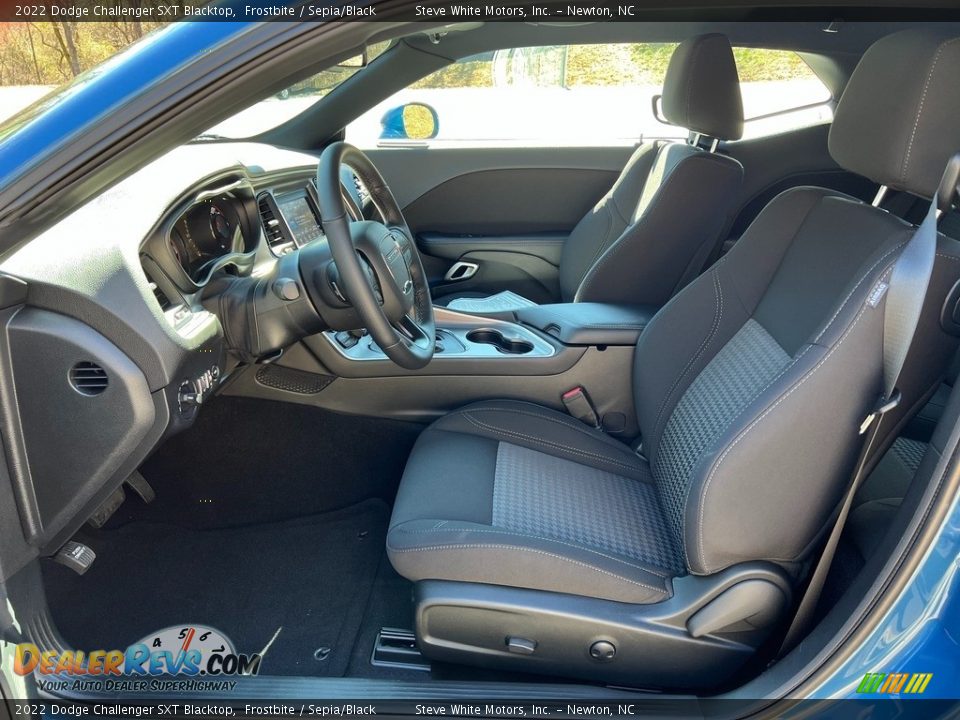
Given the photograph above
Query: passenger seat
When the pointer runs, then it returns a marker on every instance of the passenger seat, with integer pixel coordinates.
(652, 232)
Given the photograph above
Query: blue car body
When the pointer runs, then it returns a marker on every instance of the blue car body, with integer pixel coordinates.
(55, 119)
(919, 634)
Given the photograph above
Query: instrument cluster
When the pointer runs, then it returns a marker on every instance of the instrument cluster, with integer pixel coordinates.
(213, 228)
(205, 233)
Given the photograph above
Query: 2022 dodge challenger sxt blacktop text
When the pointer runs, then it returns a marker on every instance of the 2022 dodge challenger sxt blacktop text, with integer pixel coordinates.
(483, 368)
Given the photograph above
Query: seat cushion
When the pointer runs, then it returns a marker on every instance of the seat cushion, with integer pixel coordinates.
(512, 493)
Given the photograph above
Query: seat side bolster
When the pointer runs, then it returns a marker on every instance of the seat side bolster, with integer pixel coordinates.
(448, 475)
(765, 489)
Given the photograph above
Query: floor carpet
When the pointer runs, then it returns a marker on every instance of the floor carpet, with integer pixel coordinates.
(308, 581)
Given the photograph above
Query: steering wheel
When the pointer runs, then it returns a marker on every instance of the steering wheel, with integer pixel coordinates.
(378, 264)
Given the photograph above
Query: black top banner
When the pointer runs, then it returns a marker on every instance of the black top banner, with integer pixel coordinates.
(453, 12)
(887, 709)
(638, 707)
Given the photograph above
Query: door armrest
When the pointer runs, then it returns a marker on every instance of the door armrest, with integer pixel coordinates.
(547, 246)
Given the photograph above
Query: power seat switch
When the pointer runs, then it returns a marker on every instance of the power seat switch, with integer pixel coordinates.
(578, 404)
(521, 646)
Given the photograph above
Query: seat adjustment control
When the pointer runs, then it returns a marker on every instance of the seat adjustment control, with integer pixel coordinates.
(521, 646)
(603, 650)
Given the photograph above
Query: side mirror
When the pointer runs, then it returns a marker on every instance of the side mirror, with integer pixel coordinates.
(412, 121)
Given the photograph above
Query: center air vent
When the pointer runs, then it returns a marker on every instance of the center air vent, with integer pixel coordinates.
(271, 225)
(88, 378)
(160, 296)
(166, 298)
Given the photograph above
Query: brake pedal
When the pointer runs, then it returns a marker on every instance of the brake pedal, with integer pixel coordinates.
(138, 483)
(76, 556)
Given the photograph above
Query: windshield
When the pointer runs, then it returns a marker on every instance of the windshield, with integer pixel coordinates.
(294, 99)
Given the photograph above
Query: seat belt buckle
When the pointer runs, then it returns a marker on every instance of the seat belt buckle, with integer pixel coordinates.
(884, 406)
(578, 404)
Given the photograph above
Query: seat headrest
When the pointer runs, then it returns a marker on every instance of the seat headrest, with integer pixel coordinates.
(701, 91)
(898, 120)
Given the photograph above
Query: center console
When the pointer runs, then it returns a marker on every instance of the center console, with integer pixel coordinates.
(458, 336)
(537, 356)
(597, 324)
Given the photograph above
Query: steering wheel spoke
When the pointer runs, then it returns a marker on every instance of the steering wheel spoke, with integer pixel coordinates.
(411, 331)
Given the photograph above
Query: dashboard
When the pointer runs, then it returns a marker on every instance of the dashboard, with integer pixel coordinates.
(125, 291)
(228, 224)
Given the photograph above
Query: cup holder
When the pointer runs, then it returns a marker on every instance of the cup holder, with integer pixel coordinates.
(505, 345)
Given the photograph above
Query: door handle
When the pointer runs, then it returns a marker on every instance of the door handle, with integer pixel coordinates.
(461, 270)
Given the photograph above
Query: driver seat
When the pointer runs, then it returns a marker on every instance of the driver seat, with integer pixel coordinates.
(540, 544)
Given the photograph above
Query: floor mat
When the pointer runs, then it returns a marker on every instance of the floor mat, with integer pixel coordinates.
(390, 606)
(248, 461)
(310, 578)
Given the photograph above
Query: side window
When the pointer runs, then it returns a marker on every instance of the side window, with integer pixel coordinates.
(780, 92)
(547, 96)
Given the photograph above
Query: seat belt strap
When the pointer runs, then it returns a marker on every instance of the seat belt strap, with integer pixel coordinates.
(907, 290)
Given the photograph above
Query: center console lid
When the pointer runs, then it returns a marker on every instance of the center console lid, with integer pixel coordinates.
(589, 323)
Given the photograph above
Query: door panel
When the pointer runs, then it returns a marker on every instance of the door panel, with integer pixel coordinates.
(510, 200)
(526, 264)
(508, 210)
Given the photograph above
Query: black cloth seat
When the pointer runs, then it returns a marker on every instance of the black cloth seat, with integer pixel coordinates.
(750, 386)
(521, 495)
(652, 232)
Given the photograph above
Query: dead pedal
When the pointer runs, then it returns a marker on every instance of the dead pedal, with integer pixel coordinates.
(398, 648)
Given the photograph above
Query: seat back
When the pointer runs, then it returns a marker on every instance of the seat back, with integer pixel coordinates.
(752, 382)
(651, 233)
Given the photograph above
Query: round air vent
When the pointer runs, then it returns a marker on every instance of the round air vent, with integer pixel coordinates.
(88, 378)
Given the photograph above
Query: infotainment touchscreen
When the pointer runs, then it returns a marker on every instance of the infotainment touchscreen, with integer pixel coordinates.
(301, 220)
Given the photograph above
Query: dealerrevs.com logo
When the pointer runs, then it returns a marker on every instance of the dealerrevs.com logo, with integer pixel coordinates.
(193, 651)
